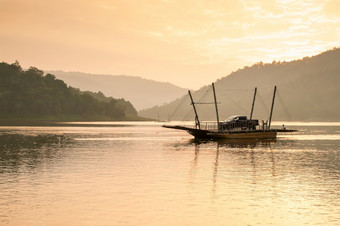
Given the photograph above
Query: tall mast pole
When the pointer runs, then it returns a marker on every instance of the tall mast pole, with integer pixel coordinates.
(197, 122)
(217, 118)
(271, 110)
(252, 106)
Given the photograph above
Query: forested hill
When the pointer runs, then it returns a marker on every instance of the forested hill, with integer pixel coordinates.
(31, 94)
(308, 90)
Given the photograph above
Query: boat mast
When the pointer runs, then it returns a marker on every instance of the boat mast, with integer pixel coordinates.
(217, 118)
(271, 110)
(252, 106)
(197, 122)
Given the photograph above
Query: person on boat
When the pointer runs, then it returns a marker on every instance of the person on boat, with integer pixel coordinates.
(283, 127)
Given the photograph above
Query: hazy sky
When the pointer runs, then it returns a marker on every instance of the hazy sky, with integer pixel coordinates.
(190, 43)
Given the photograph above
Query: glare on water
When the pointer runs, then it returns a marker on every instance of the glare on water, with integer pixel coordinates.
(143, 174)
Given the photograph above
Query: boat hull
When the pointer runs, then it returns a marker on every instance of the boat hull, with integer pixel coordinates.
(250, 134)
(241, 134)
(244, 135)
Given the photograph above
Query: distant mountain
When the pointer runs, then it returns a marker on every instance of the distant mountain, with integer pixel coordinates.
(308, 89)
(142, 93)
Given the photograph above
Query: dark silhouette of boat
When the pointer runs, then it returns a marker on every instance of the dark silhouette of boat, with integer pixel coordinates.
(235, 127)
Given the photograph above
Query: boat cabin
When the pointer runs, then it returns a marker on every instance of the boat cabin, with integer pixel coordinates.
(239, 122)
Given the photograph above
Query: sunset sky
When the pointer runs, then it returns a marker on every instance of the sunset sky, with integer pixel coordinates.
(189, 43)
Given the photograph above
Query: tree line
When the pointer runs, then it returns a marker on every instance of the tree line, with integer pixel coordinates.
(30, 92)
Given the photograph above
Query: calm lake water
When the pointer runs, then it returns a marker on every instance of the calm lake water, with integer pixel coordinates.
(143, 174)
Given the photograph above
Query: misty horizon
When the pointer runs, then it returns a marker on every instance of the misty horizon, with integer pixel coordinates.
(167, 81)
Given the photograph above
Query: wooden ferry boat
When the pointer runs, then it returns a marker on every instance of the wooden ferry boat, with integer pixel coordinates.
(235, 127)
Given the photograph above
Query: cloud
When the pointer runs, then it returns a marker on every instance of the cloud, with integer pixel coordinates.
(332, 8)
(140, 36)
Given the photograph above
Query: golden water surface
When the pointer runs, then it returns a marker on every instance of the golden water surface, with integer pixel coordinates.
(143, 174)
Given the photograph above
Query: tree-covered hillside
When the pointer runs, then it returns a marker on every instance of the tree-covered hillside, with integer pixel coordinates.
(31, 93)
(308, 90)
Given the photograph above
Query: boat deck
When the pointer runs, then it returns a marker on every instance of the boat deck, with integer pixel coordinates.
(231, 134)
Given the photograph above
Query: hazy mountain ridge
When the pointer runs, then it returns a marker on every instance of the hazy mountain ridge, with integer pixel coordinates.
(142, 93)
(308, 89)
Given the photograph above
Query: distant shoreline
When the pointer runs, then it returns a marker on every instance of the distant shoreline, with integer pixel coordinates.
(82, 121)
(53, 120)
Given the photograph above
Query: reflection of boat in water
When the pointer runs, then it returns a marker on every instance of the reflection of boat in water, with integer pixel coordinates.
(237, 143)
(235, 127)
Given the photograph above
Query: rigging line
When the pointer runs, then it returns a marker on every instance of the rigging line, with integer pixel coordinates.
(204, 94)
(198, 101)
(206, 102)
(187, 114)
(184, 98)
(237, 105)
(262, 102)
(284, 106)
